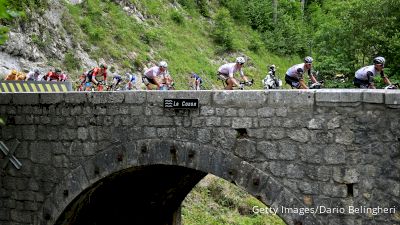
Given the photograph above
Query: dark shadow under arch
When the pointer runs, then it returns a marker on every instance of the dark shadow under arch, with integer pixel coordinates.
(140, 196)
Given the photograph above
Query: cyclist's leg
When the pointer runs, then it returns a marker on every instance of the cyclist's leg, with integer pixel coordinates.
(230, 83)
(292, 82)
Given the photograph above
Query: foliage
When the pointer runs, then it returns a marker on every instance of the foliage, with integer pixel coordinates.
(7, 12)
(341, 35)
(177, 17)
(71, 62)
(347, 37)
(223, 30)
(200, 5)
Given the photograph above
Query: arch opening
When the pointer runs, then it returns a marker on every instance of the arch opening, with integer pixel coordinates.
(139, 195)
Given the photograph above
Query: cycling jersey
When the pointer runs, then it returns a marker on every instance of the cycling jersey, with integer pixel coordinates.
(32, 76)
(297, 71)
(367, 73)
(96, 72)
(131, 77)
(62, 77)
(52, 76)
(154, 72)
(117, 77)
(229, 69)
(197, 78)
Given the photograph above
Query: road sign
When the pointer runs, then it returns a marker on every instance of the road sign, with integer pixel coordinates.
(181, 103)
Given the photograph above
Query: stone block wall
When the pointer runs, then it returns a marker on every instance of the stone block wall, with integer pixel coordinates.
(326, 148)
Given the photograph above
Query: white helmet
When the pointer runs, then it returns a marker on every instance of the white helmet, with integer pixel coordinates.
(308, 59)
(240, 60)
(379, 60)
(272, 67)
(163, 64)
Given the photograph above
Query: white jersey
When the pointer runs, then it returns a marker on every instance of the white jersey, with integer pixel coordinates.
(229, 69)
(154, 72)
(32, 76)
(297, 71)
(361, 73)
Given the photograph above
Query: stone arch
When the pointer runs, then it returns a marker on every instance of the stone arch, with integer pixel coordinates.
(150, 152)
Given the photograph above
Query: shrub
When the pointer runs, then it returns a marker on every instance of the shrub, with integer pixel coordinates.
(222, 32)
(150, 37)
(71, 62)
(177, 17)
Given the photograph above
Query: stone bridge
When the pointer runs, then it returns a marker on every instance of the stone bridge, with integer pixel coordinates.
(319, 157)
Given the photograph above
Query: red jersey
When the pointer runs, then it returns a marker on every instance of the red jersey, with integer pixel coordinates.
(52, 76)
(97, 72)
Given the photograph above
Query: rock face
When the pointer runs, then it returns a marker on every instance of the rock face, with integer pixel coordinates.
(39, 40)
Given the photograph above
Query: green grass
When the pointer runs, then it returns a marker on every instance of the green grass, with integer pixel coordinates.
(216, 201)
(180, 36)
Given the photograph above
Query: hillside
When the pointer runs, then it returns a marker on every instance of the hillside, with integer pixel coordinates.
(130, 35)
(215, 201)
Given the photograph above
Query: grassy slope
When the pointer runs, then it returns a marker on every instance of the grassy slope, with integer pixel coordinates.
(215, 201)
(186, 45)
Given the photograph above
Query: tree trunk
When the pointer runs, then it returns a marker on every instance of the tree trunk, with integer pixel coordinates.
(275, 10)
(303, 2)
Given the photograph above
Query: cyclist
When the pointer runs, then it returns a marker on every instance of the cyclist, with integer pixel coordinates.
(364, 77)
(131, 81)
(270, 80)
(100, 71)
(12, 76)
(33, 75)
(195, 81)
(54, 76)
(226, 72)
(151, 75)
(272, 70)
(294, 75)
(115, 81)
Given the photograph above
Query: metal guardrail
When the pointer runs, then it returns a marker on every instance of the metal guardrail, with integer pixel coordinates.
(10, 155)
(34, 86)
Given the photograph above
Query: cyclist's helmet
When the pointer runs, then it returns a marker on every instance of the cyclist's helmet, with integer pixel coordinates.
(163, 64)
(308, 59)
(240, 60)
(272, 67)
(36, 71)
(379, 60)
(14, 72)
(103, 66)
(57, 70)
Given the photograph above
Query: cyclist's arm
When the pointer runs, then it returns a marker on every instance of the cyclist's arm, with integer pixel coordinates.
(301, 80)
(385, 79)
(245, 78)
(105, 77)
(94, 79)
(302, 84)
(370, 77)
(312, 78)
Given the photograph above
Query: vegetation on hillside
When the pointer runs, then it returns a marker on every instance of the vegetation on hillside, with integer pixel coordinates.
(201, 35)
(215, 201)
(190, 36)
